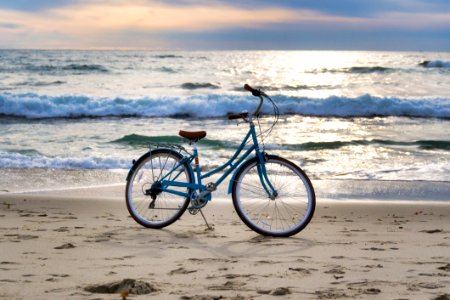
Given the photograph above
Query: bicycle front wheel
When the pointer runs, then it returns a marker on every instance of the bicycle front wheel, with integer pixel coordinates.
(284, 215)
(147, 203)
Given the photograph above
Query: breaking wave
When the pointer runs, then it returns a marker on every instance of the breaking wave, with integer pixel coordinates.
(435, 64)
(16, 160)
(32, 105)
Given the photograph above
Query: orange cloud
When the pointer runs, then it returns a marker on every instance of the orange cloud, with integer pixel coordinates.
(81, 24)
(87, 18)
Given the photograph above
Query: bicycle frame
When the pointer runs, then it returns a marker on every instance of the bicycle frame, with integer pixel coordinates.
(166, 182)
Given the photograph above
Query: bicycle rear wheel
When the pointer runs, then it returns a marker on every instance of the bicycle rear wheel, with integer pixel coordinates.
(285, 215)
(146, 203)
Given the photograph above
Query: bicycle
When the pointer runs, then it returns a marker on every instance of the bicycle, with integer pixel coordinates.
(271, 195)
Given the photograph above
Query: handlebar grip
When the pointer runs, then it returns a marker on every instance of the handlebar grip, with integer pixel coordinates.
(237, 116)
(254, 92)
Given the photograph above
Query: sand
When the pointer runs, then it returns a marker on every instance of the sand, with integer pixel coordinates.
(54, 245)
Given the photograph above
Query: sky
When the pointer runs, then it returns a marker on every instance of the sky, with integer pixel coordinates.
(411, 25)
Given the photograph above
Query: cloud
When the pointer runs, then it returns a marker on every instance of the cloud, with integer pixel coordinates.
(9, 25)
(101, 23)
(87, 21)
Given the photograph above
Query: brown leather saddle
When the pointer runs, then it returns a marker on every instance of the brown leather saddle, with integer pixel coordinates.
(192, 135)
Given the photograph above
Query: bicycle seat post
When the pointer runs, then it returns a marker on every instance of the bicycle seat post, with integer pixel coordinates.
(196, 161)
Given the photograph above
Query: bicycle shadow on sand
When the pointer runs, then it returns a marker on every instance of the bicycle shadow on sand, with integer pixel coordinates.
(219, 242)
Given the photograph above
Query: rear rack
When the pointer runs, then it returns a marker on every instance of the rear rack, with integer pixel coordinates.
(156, 145)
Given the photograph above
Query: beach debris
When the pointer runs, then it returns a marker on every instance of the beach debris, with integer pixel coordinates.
(131, 286)
(65, 246)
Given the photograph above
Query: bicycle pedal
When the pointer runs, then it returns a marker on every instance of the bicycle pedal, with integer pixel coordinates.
(193, 211)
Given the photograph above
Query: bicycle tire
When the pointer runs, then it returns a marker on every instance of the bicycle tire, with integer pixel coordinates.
(138, 202)
(286, 215)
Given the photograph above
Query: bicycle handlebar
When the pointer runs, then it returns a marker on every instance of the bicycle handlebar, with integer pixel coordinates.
(256, 93)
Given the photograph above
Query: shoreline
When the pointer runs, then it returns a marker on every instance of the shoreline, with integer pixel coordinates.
(326, 189)
(113, 183)
(56, 244)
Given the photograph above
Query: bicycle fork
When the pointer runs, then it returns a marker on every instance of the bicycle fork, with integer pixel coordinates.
(262, 173)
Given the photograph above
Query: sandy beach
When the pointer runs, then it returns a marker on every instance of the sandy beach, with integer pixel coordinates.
(61, 244)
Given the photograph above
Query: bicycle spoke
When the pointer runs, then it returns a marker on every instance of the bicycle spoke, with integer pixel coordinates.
(286, 212)
(167, 207)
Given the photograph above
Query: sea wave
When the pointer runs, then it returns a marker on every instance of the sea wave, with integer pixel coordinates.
(40, 83)
(199, 85)
(435, 64)
(84, 68)
(142, 140)
(315, 146)
(300, 87)
(20, 160)
(356, 70)
(168, 56)
(30, 105)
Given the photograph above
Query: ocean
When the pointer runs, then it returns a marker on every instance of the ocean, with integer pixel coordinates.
(373, 116)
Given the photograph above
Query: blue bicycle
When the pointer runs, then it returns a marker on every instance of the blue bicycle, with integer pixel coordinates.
(271, 195)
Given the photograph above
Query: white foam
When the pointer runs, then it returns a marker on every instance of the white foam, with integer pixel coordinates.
(214, 105)
(20, 161)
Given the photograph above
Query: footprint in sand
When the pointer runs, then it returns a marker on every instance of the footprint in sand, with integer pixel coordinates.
(302, 271)
(331, 294)
(445, 268)
(16, 238)
(336, 270)
(228, 286)
(432, 231)
(181, 271)
(65, 246)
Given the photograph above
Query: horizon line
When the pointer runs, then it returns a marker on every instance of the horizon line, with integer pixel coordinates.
(218, 50)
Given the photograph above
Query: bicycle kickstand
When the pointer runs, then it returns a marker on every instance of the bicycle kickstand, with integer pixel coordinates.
(206, 222)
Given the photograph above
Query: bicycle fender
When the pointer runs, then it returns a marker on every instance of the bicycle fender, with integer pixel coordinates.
(137, 162)
(230, 184)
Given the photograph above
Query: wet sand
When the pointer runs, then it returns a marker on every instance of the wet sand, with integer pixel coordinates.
(60, 245)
